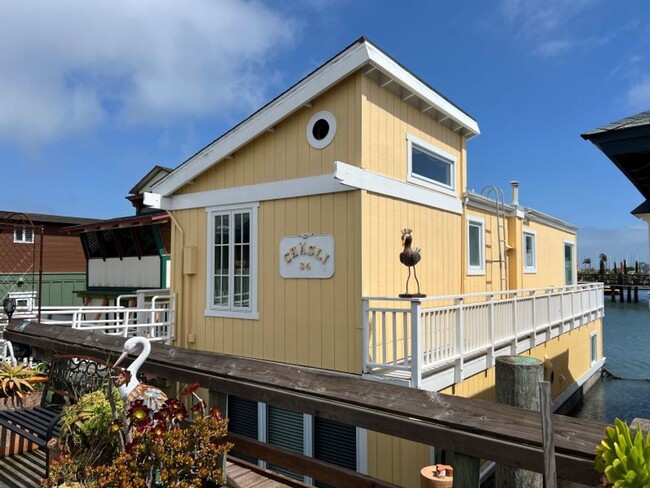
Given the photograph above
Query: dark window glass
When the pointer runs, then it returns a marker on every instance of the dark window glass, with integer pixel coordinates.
(126, 240)
(109, 244)
(429, 166)
(147, 236)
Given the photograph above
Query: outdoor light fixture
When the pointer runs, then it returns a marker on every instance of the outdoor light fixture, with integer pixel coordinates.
(9, 304)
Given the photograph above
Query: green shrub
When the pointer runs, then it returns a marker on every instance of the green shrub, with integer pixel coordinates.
(623, 459)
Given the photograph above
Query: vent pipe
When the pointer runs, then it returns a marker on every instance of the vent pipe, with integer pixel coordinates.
(515, 193)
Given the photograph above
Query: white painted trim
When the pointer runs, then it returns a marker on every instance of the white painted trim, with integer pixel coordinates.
(542, 218)
(591, 338)
(325, 141)
(262, 428)
(481, 202)
(383, 185)
(300, 95)
(308, 441)
(529, 269)
(476, 221)
(362, 450)
(23, 239)
(251, 312)
(574, 262)
(402, 76)
(276, 190)
(437, 153)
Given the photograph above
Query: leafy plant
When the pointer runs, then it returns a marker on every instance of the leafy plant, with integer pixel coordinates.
(624, 460)
(15, 381)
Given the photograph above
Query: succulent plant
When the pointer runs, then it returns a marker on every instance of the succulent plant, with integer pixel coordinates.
(622, 458)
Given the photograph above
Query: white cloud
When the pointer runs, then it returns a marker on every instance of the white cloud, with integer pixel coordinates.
(638, 96)
(68, 66)
(547, 24)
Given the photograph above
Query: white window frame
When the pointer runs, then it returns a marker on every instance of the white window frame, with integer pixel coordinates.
(212, 310)
(22, 239)
(593, 353)
(574, 268)
(533, 268)
(438, 154)
(480, 269)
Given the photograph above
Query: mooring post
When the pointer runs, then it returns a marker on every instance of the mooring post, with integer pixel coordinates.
(636, 294)
(517, 385)
(621, 296)
(629, 294)
(613, 292)
(546, 410)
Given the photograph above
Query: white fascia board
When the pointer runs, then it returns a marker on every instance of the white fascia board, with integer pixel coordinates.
(285, 105)
(367, 180)
(481, 202)
(276, 190)
(408, 80)
(542, 218)
(298, 96)
(152, 200)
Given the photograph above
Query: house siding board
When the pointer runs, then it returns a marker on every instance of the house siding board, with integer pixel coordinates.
(285, 152)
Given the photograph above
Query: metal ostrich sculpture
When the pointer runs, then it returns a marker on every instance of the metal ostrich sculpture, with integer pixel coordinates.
(409, 257)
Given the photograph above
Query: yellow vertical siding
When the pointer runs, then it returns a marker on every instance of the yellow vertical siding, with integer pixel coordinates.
(284, 152)
(550, 256)
(386, 120)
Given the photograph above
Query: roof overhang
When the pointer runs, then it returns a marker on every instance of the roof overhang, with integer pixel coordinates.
(629, 150)
(152, 218)
(362, 55)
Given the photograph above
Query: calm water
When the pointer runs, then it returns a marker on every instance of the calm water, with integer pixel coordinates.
(627, 348)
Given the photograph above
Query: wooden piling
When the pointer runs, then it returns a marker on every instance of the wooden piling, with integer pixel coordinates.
(636, 294)
(629, 294)
(621, 296)
(517, 384)
(612, 290)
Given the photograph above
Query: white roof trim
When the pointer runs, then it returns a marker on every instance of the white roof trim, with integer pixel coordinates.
(353, 58)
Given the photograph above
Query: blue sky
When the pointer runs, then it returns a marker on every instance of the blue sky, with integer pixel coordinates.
(93, 94)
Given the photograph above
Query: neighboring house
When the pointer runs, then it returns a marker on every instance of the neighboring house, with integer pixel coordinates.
(128, 253)
(626, 143)
(63, 264)
(286, 242)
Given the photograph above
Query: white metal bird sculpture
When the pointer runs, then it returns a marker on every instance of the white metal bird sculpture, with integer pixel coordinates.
(134, 390)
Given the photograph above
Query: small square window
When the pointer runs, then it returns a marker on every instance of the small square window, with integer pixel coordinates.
(430, 166)
(475, 246)
(24, 236)
(594, 347)
(530, 252)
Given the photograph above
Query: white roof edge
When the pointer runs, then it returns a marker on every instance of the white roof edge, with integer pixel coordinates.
(297, 96)
(410, 81)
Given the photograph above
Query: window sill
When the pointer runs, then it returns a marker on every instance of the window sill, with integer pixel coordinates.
(431, 185)
(232, 315)
(476, 272)
(530, 271)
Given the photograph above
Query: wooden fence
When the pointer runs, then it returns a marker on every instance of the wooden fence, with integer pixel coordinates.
(474, 428)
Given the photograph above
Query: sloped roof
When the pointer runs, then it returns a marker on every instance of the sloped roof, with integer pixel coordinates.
(146, 179)
(361, 55)
(46, 218)
(637, 120)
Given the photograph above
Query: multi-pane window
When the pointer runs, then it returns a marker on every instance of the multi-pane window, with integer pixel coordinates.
(24, 236)
(530, 252)
(232, 261)
(475, 255)
(430, 166)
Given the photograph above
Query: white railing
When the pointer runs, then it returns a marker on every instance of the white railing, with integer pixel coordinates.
(413, 337)
(152, 318)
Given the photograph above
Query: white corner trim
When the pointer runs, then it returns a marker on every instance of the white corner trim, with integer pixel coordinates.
(362, 179)
(300, 95)
(276, 190)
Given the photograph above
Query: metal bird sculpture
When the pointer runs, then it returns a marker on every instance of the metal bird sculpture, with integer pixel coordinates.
(133, 389)
(409, 257)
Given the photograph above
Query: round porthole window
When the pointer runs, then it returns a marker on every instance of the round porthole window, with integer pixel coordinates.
(321, 129)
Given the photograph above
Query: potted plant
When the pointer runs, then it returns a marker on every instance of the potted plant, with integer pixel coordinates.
(623, 459)
(17, 381)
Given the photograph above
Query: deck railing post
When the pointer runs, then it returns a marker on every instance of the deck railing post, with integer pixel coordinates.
(533, 335)
(513, 341)
(460, 341)
(365, 305)
(549, 318)
(490, 358)
(416, 344)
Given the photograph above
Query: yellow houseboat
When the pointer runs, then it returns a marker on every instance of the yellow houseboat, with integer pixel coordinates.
(285, 244)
